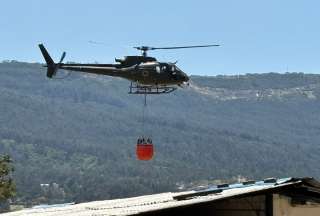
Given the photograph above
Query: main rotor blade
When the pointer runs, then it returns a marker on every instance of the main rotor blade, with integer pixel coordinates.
(184, 47)
(147, 48)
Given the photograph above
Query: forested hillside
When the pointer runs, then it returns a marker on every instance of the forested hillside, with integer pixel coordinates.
(77, 136)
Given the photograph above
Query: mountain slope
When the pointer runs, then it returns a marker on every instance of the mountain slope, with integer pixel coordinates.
(80, 132)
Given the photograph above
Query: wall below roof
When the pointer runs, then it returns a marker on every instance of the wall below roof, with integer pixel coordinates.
(282, 207)
(247, 206)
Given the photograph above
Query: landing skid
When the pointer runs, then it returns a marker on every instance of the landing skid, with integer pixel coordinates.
(148, 89)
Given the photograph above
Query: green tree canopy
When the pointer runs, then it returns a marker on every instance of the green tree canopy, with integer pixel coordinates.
(7, 187)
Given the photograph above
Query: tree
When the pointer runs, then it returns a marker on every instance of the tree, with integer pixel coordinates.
(7, 187)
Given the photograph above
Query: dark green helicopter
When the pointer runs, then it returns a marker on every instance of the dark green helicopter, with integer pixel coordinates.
(147, 75)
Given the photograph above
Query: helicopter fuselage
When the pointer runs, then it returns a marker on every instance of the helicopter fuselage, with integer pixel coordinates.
(143, 70)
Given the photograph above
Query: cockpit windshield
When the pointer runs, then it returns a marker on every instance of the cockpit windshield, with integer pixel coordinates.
(169, 67)
(177, 69)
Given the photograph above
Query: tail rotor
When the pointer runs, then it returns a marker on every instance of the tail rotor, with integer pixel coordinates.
(62, 57)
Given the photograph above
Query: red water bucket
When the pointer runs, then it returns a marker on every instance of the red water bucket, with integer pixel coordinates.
(144, 151)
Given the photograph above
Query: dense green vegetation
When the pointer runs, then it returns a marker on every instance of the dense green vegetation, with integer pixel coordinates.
(74, 139)
(7, 187)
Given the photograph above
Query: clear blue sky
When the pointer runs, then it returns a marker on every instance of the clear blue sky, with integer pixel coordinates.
(256, 36)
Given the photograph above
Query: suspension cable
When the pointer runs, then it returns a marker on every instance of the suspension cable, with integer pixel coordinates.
(144, 110)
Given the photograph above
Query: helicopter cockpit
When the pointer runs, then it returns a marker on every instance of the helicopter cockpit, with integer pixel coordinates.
(169, 67)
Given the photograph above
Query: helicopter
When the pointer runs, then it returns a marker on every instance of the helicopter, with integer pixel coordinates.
(146, 74)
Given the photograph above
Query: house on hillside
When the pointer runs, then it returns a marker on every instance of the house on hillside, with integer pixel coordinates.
(270, 197)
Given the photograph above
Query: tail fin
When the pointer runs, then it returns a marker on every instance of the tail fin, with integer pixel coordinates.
(46, 55)
(52, 67)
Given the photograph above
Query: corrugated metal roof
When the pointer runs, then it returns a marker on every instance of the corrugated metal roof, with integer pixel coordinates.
(157, 202)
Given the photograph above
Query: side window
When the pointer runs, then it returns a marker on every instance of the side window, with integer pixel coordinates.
(173, 68)
(164, 68)
(158, 69)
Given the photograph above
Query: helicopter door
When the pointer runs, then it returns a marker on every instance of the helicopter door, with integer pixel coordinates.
(164, 68)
